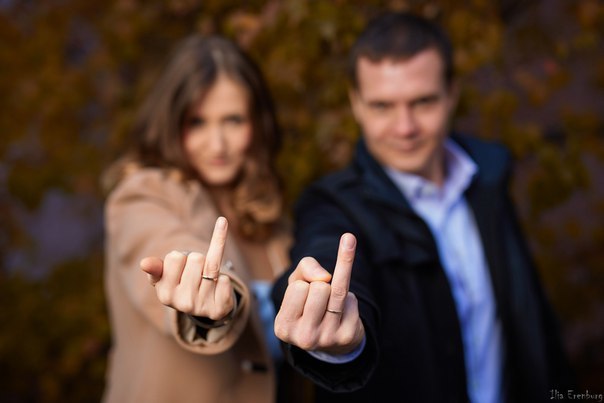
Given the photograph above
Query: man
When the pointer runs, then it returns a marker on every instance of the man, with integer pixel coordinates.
(433, 296)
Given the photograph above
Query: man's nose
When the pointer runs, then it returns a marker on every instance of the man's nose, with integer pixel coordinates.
(404, 123)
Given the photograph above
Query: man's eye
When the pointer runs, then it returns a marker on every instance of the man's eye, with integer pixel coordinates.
(379, 106)
(426, 101)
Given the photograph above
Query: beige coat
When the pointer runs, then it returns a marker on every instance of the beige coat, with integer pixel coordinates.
(156, 354)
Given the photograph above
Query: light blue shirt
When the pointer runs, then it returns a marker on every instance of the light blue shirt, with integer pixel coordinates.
(454, 228)
(266, 310)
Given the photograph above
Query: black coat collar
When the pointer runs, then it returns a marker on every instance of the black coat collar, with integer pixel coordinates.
(486, 197)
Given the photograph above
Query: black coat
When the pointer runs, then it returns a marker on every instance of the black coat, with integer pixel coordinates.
(414, 348)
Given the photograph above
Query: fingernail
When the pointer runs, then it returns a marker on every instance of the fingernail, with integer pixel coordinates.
(348, 241)
(221, 223)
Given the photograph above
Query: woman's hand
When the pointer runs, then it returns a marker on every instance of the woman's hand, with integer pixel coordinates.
(191, 282)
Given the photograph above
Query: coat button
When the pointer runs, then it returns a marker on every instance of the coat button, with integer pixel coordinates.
(246, 365)
(250, 366)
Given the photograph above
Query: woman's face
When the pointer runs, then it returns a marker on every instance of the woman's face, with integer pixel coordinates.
(218, 132)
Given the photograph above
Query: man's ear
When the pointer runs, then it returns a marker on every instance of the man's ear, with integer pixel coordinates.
(355, 102)
(454, 88)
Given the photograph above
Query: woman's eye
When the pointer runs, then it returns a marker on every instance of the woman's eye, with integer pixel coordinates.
(195, 121)
(235, 119)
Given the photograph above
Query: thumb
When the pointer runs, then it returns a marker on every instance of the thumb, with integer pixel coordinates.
(154, 267)
(309, 270)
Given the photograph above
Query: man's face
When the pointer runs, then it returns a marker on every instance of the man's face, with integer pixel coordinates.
(403, 108)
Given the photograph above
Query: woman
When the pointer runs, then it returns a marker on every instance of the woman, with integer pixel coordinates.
(204, 145)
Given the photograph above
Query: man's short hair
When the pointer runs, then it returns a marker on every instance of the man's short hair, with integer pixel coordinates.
(400, 36)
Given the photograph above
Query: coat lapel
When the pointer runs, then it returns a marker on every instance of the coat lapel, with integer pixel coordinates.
(412, 241)
(407, 246)
(485, 197)
(486, 206)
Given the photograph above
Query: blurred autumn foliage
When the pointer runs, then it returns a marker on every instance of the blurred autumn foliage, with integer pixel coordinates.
(72, 73)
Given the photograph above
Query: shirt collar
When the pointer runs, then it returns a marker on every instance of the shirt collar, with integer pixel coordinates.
(460, 169)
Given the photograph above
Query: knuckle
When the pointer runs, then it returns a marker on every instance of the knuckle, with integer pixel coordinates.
(224, 310)
(307, 339)
(346, 338)
(201, 310)
(184, 304)
(225, 280)
(338, 292)
(319, 287)
(326, 340)
(164, 295)
(195, 257)
(284, 322)
(212, 267)
(346, 257)
(174, 257)
(305, 345)
(300, 286)
(281, 330)
(174, 254)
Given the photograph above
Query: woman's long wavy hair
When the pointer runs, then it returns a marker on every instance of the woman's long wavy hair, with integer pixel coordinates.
(157, 133)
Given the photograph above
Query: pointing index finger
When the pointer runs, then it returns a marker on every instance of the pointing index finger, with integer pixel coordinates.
(216, 250)
(341, 274)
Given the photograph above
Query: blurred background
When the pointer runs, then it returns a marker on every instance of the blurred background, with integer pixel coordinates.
(72, 73)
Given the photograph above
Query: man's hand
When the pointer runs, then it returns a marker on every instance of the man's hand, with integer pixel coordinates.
(191, 282)
(316, 315)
